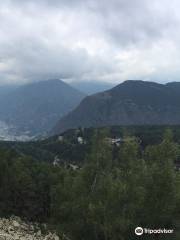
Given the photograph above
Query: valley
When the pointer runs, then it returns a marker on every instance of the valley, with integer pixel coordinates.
(72, 146)
(106, 160)
(33, 109)
(8, 133)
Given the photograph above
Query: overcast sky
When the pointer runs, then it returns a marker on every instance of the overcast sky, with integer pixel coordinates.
(105, 40)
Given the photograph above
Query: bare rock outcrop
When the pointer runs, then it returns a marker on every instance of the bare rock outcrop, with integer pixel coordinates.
(16, 229)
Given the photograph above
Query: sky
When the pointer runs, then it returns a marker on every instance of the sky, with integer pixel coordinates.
(89, 40)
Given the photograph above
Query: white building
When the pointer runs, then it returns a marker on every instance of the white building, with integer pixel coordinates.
(115, 141)
(80, 140)
(56, 161)
(60, 138)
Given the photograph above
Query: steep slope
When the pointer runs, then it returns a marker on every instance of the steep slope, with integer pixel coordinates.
(36, 107)
(129, 103)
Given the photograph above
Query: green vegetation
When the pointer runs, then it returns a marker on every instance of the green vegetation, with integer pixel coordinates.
(114, 191)
(69, 151)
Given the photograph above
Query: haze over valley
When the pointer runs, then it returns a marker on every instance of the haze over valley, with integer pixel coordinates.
(44, 108)
(32, 110)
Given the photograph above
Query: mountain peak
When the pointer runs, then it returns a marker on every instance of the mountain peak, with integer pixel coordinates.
(133, 102)
(139, 83)
(36, 107)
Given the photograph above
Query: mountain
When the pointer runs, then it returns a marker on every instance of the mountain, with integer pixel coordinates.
(130, 103)
(35, 108)
(174, 86)
(7, 89)
(92, 87)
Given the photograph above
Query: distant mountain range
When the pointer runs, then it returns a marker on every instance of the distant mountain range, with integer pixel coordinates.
(35, 108)
(130, 103)
(91, 87)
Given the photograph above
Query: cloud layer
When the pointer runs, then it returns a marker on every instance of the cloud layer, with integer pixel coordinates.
(89, 40)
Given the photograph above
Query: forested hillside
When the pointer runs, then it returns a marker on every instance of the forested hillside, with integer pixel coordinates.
(68, 149)
(111, 194)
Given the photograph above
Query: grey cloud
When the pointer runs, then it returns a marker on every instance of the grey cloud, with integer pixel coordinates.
(104, 40)
(123, 21)
(35, 61)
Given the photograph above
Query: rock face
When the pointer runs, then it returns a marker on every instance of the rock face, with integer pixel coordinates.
(15, 229)
(130, 103)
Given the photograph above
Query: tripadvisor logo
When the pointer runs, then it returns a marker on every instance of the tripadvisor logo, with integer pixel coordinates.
(139, 231)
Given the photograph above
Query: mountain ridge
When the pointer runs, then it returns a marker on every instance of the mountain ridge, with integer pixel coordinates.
(129, 103)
